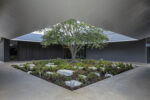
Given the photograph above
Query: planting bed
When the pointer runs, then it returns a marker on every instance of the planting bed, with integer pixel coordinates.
(74, 75)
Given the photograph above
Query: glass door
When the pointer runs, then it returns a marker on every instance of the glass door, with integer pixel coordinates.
(80, 55)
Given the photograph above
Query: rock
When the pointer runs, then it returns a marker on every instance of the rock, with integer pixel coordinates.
(29, 72)
(93, 68)
(74, 67)
(50, 65)
(108, 75)
(102, 65)
(114, 65)
(40, 74)
(97, 74)
(53, 65)
(21, 66)
(47, 65)
(80, 67)
(73, 83)
(83, 76)
(103, 69)
(49, 73)
(65, 72)
(134, 66)
(31, 66)
(77, 67)
(118, 68)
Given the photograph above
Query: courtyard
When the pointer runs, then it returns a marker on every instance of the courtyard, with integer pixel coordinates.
(130, 85)
(110, 30)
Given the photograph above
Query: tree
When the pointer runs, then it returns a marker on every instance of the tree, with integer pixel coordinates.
(75, 35)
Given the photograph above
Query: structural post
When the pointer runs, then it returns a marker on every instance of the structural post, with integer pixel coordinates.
(4, 49)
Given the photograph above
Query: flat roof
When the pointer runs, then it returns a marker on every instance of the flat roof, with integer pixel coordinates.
(113, 37)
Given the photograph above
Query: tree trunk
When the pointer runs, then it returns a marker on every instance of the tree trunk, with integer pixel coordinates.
(74, 49)
(73, 54)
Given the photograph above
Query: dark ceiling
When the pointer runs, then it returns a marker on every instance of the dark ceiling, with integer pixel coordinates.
(128, 17)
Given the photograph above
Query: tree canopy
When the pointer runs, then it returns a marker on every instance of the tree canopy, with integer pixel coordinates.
(75, 35)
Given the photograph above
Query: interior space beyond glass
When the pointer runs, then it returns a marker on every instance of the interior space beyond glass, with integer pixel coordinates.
(148, 49)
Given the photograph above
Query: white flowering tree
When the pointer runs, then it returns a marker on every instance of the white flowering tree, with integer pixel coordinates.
(75, 35)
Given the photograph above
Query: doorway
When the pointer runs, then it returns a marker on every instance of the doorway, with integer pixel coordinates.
(80, 55)
(13, 50)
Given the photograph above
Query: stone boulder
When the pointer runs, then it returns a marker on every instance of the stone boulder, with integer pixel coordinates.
(97, 74)
(65, 72)
(80, 68)
(75, 67)
(50, 73)
(108, 75)
(93, 68)
(50, 65)
(29, 72)
(31, 66)
(21, 66)
(103, 69)
(73, 83)
(83, 76)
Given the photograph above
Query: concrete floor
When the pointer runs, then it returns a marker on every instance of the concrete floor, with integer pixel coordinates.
(131, 85)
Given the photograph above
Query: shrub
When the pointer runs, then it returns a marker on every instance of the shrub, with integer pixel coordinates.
(41, 62)
(81, 79)
(52, 69)
(90, 62)
(65, 66)
(54, 77)
(61, 83)
(58, 61)
(79, 64)
(121, 65)
(23, 69)
(91, 75)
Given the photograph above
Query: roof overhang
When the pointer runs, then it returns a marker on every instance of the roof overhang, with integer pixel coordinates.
(128, 17)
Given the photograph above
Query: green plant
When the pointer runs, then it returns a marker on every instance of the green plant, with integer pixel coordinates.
(91, 75)
(65, 66)
(82, 79)
(58, 61)
(54, 77)
(80, 68)
(52, 69)
(79, 64)
(61, 83)
(15, 66)
(41, 62)
(121, 65)
(89, 62)
(13, 57)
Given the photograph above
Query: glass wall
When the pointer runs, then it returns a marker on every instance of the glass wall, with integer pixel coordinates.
(13, 50)
(148, 50)
(80, 55)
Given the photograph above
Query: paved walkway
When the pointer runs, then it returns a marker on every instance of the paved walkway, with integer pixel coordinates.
(131, 85)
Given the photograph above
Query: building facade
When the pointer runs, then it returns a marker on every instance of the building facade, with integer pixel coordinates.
(130, 51)
(28, 47)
